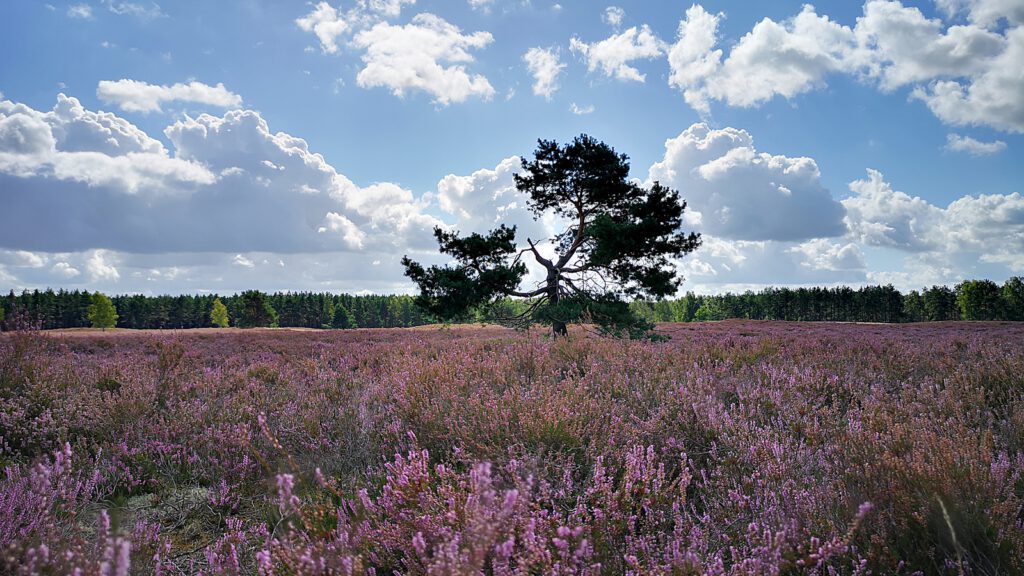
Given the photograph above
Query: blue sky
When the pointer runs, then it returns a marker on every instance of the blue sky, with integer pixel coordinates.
(219, 146)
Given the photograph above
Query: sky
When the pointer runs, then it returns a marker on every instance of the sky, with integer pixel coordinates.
(198, 147)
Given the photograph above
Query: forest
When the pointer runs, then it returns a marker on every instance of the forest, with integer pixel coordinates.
(968, 300)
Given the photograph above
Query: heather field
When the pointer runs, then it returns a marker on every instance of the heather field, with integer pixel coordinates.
(731, 448)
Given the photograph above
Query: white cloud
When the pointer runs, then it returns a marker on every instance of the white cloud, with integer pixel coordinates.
(412, 57)
(966, 74)
(692, 58)
(143, 11)
(387, 8)
(987, 228)
(22, 259)
(100, 267)
(136, 96)
(342, 226)
(486, 198)
(581, 110)
(990, 98)
(613, 54)
(738, 193)
(877, 215)
(958, 143)
(898, 45)
(737, 265)
(64, 270)
(80, 12)
(821, 254)
(985, 13)
(773, 59)
(231, 185)
(243, 262)
(70, 144)
(484, 5)
(613, 16)
(30, 259)
(544, 65)
(327, 24)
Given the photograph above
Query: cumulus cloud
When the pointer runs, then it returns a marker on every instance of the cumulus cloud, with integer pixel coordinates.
(325, 22)
(612, 56)
(544, 66)
(73, 145)
(985, 12)
(990, 97)
(965, 73)
(987, 228)
(413, 57)
(64, 270)
(821, 254)
(739, 193)
(136, 96)
(958, 143)
(737, 265)
(877, 215)
(100, 267)
(488, 197)
(231, 185)
(774, 59)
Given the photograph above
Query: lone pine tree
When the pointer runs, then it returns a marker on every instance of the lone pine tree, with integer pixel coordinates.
(619, 243)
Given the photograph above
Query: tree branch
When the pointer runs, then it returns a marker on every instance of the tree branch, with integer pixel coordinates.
(578, 241)
(547, 263)
(536, 292)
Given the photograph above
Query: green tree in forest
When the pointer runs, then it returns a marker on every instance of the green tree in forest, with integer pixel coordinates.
(327, 312)
(913, 307)
(219, 314)
(255, 311)
(1013, 298)
(620, 243)
(101, 312)
(979, 300)
(343, 318)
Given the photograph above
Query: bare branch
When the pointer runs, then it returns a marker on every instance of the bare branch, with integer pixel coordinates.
(544, 261)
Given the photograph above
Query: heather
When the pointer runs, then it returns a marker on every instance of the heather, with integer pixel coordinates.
(731, 448)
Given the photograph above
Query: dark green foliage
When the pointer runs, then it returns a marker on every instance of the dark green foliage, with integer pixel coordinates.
(481, 277)
(1013, 298)
(255, 311)
(940, 304)
(620, 243)
(343, 318)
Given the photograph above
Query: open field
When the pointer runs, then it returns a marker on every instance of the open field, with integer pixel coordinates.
(733, 448)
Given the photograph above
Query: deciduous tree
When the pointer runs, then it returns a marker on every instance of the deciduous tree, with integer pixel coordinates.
(101, 312)
(219, 314)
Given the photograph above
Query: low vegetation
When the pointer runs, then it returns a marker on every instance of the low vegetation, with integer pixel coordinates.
(733, 448)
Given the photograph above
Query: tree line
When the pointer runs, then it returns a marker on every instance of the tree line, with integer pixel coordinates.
(48, 309)
(969, 300)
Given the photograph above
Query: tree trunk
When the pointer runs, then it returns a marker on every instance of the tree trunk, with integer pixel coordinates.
(558, 327)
